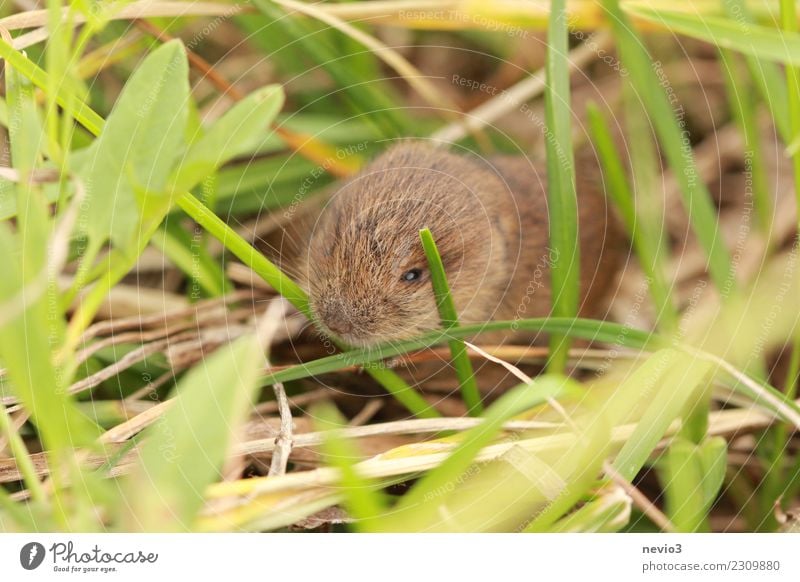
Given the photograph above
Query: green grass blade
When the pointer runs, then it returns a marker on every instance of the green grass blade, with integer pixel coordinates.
(22, 458)
(362, 498)
(644, 77)
(600, 331)
(780, 434)
(232, 241)
(265, 184)
(447, 311)
(402, 392)
(27, 135)
(646, 180)
(746, 115)
(610, 512)
(513, 402)
(645, 240)
(365, 99)
(672, 378)
(767, 75)
(3, 113)
(760, 41)
(82, 112)
(562, 201)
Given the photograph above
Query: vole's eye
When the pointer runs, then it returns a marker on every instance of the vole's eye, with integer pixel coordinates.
(412, 275)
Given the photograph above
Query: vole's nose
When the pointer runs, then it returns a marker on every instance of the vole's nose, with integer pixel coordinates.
(339, 323)
(335, 317)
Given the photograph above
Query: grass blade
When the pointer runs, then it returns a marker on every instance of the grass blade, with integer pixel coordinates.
(408, 72)
(364, 99)
(780, 434)
(745, 113)
(82, 112)
(363, 500)
(22, 458)
(447, 311)
(766, 74)
(416, 506)
(645, 240)
(562, 200)
(760, 41)
(610, 512)
(676, 377)
(676, 147)
(592, 330)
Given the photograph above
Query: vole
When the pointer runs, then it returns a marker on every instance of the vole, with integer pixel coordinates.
(366, 272)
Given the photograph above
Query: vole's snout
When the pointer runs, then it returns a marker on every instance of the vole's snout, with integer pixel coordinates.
(345, 321)
(335, 319)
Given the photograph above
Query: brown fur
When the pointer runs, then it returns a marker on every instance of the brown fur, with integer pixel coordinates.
(489, 220)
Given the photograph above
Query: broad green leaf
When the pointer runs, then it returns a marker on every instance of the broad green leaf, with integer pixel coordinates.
(184, 452)
(237, 132)
(136, 148)
(691, 476)
(28, 332)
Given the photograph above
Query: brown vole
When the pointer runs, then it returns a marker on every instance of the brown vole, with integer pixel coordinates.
(367, 275)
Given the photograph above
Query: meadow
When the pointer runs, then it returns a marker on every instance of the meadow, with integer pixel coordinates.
(159, 371)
